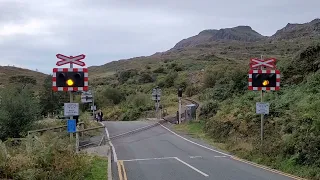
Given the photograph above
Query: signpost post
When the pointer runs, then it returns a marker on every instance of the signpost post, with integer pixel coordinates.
(263, 76)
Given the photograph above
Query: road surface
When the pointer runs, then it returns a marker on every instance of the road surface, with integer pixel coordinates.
(160, 154)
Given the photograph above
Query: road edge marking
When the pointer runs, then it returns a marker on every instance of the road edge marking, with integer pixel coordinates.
(115, 158)
(267, 168)
(124, 171)
(195, 142)
(202, 173)
(119, 170)
(109, 164)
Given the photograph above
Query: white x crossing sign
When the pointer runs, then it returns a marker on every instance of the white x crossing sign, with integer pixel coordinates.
(257, 63)
(74, 60)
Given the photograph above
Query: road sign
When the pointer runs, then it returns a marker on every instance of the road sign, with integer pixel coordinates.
(264, 80)
(86, 98)
(93, 108)
(262, 108)
(71, 109)
(156, 98)
(256, 63)
(156, 92)
(71, 125)
(70, 60)
(59, 83)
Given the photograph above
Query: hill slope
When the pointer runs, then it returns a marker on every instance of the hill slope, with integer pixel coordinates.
(212, 70)
(291, 31)
(6, 72)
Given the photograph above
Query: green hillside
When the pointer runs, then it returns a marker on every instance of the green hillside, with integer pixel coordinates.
(214, 73)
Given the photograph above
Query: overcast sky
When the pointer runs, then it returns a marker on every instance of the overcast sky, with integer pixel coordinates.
(32, 32)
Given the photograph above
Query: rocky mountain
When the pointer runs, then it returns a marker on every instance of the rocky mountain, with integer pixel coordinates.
(239, 33)
(291, 31)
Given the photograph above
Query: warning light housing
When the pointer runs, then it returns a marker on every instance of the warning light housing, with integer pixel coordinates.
(264, 80)
(70, 79)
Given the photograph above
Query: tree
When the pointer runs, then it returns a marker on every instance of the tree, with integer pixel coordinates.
(22, 80)
(50, 101)
(19, 108)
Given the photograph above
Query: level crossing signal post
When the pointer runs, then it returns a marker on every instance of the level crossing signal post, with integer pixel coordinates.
(70, 80)
(180, 109)
(156, 96)
(263, 76)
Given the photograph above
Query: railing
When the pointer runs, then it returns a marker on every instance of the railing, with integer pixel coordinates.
(90, 137)
(40, 131)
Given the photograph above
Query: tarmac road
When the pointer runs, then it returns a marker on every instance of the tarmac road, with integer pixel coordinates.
(158, 153)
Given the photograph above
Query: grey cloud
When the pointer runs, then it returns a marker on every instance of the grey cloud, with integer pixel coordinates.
(108, 30)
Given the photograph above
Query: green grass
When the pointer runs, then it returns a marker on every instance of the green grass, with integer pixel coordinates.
(196, 130)
(99, 169)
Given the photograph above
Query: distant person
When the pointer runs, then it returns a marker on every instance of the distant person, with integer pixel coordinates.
(100, 115)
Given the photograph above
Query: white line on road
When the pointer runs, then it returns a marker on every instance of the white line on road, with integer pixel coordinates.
(192, 167)
(147, 159)
(220, 156)
(133, 130)
(195, 157)
(115, 158)
(194, 142)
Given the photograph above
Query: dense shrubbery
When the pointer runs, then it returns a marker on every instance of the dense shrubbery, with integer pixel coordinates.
(19, 108)
(292, 129)
(49, 157)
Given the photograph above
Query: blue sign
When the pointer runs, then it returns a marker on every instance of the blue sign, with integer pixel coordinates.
(72, 125)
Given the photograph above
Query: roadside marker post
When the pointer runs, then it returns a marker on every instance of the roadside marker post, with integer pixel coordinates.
(263, 76)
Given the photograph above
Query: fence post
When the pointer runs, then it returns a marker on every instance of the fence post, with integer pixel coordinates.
(77, 142)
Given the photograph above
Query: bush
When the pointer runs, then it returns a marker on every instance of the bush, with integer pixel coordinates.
(192, 90)
(123, 76)
(145, 78)
(159, 70)
(111, 95)
(48, 157)
(19, 108)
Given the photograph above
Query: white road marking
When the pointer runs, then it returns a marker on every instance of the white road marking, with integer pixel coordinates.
(148, 159)
(133, 130)
(110, 143)
(220, 156)
(204, 174)
(195, 157)
(194, 142)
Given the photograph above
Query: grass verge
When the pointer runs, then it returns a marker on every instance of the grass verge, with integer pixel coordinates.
(98, 170)
(196, 130)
